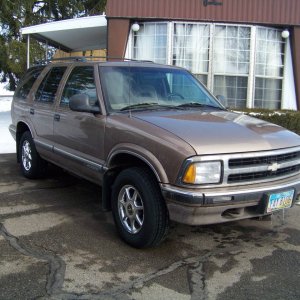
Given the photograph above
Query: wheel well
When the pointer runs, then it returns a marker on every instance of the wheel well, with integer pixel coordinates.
(117, 164)
(21, 128)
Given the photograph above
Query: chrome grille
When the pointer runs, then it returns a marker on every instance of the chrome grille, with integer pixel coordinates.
(262, 175)
(260, 167)
(250, 161)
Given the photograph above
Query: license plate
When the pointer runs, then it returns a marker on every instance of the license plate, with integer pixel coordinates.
(280, 201)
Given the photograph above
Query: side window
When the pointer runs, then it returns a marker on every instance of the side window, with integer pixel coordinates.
(80, 81)
(27, 82)
(48, 87)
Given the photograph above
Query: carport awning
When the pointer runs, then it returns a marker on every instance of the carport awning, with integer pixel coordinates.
(80, 34)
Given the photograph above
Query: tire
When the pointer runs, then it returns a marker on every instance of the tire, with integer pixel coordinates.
(32, 165)
(139, 210)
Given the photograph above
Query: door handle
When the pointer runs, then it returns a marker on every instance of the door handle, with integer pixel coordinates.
(31, 111)
(56, 117)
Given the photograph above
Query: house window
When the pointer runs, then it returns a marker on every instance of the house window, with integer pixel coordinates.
(231, 60)
(150, 42)
(191, 48)
(269, 67)
(245, 64)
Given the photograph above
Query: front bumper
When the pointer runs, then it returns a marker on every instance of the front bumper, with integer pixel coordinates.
(218, 205)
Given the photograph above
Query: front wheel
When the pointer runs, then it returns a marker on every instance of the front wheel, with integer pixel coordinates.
(32, 165)
(139, 210)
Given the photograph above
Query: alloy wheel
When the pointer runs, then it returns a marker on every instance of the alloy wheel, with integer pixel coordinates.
(131, 209)
(26, 155)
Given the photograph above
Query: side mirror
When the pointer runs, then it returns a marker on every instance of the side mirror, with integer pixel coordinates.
(80, 102)
(222, 100)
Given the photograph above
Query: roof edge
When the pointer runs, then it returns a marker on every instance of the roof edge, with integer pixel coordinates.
(83, 22)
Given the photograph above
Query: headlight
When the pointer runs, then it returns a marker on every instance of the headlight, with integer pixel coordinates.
(203, 173)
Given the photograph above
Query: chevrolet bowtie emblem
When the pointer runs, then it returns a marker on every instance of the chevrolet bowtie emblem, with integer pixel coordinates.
(273, 167)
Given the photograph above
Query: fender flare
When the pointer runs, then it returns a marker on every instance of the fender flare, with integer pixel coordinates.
(144, 155)
(138, 152)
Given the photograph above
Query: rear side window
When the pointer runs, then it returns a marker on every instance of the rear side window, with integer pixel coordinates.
(80, 81)
(27, 82)
(48, 87)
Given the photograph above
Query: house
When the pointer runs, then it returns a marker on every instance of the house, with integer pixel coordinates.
(247, 51)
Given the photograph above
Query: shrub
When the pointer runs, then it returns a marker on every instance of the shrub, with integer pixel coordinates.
(285, 118)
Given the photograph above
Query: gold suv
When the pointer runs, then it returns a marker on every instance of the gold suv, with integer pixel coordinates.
(160, 145)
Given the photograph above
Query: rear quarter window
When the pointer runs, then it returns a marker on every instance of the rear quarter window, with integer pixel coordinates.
(47, 90)
(27, 82)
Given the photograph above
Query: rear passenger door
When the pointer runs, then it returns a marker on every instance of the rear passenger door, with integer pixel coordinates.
(42, 109)
(79, 136)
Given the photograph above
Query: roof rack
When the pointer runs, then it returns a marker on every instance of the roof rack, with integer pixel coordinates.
(87, 58)
(76, 58)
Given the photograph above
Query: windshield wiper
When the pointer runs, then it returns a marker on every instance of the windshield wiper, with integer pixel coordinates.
(139, 105)
(196, 104)
(155, 104)
(147, 105)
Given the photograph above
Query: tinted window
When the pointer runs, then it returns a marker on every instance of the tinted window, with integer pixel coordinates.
(80, 81)
(28, 81)
(48, 87)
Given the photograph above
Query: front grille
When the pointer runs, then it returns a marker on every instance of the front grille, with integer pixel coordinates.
(262, 175)
(250, 161)
(260, 167)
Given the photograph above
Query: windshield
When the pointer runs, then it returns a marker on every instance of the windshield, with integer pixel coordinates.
(137, 88)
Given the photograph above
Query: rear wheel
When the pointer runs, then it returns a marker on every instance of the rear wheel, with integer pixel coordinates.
(139, 210)
(32, 165)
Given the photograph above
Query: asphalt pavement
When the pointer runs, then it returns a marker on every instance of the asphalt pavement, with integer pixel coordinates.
(55, 243)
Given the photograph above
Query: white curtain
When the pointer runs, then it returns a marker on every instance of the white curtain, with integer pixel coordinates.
(145, 42)
(289, 93)
(191, 46)
(269, 53)
(269, 68)
(150, 42)
(231, 50)
(231, 59)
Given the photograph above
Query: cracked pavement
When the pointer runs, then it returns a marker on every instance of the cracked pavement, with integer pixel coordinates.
(55, 243)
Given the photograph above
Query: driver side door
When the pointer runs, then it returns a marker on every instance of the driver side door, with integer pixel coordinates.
(79, 136)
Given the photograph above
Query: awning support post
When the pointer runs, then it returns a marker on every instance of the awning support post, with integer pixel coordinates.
(46, 54)
(28, 51)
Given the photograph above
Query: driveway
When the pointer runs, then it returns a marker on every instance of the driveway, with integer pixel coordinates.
(55, 243)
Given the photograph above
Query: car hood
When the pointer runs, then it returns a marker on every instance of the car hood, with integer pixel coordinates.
(215, 132)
